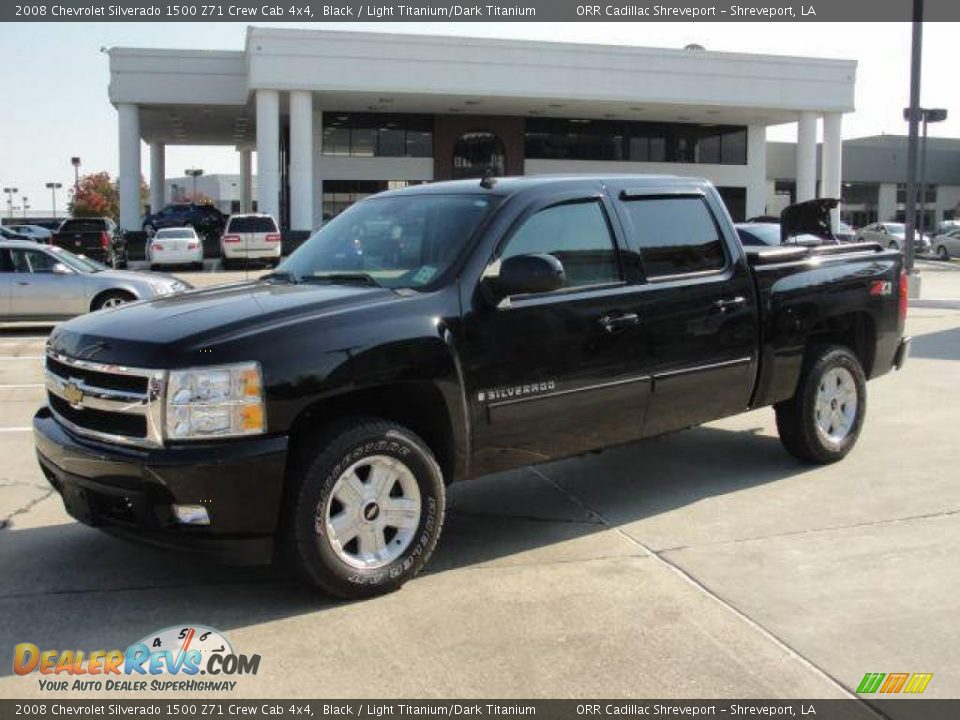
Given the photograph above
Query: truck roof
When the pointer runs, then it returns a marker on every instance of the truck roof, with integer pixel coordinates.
(515, 184)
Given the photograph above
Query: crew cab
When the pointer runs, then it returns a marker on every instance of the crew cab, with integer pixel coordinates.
(440, 332)
(97, 238)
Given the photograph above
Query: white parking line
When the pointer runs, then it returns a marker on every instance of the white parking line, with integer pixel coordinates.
(23, 385)
(21, 357)
(16, 429)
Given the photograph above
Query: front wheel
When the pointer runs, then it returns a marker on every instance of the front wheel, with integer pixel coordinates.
(111, 299)
(822, 421)
(893, 245)
(368, 509)
(943, 253)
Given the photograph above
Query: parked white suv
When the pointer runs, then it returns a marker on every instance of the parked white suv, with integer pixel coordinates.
(250, 236)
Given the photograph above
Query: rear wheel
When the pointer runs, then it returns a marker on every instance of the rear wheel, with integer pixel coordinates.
(114, 298)
(366, 510)
(943, 253)
(822, 421)
(893, 245)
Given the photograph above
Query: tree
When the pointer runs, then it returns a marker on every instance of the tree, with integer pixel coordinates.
(97, 196)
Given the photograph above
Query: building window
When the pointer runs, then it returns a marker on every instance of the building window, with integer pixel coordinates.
(377, 134)
(338, 195)
(557, 139)
(476, 152)
(735, 198)
(902, 193)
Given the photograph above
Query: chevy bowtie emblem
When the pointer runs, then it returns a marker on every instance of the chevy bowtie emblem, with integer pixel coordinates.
(73, 394)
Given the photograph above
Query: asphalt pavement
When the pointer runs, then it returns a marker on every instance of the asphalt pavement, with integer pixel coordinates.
(707, 563)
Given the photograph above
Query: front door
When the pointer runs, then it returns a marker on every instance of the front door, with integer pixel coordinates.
(698, 309)
(39, 292)
(554, 374)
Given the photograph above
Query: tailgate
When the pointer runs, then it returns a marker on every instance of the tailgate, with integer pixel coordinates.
(78, 242)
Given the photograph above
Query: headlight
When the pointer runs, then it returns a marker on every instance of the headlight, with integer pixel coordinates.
(216, 401)
(171, 288)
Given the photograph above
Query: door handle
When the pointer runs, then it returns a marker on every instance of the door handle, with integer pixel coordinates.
(613, 322)
(22, 282)
(724, 305)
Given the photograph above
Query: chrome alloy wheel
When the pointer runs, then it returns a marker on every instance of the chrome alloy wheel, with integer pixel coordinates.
(114, 301)
(836, 405)
(371, 516)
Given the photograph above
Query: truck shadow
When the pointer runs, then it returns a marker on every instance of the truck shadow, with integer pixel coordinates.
(941, 345)
(68, 586)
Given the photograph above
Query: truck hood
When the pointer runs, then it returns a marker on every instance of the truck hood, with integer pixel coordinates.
(163, 332)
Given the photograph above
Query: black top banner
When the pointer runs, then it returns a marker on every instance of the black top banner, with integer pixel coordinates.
(251, 11)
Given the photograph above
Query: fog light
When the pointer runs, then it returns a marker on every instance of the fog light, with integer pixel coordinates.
(191, 514)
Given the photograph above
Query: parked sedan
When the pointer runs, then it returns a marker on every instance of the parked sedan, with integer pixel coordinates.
(175, 246)
(47, 283)
(768, 233)
(947, 245)
(33, 232)
(891, 235)
(7, 234)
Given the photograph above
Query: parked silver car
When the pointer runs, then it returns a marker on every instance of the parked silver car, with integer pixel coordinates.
(42, 282)
(947, 244)
(891, 235)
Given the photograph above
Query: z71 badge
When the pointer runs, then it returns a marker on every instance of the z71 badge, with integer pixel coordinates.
(516, 391)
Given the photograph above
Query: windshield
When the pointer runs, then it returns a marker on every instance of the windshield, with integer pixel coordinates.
(896, 228)
(81, 264)
(400, 241)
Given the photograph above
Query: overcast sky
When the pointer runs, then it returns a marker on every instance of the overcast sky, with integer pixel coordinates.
(55, 79)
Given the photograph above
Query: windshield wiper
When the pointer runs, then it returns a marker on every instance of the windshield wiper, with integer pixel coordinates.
(281, 275)
(334, 277)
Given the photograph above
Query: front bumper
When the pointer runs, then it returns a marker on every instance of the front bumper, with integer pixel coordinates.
(129, 491)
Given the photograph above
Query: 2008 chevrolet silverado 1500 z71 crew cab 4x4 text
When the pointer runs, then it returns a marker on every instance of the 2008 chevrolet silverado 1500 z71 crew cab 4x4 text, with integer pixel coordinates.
(441, 332)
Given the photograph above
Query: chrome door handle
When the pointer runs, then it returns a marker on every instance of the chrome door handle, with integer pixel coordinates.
(724, 305)
(612, 323)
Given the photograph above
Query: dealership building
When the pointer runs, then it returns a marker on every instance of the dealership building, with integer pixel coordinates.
(333, 116)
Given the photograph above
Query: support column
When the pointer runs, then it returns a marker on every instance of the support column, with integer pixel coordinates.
(128, 181)
(887, 202)
(246, 181)
(757, 164)
(807, 156)
(831, 162)
(301, 160)
(268, 152)
(157, 176)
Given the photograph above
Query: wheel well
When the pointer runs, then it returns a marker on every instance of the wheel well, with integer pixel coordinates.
(113, 291)
(417, 405)
(854, 330)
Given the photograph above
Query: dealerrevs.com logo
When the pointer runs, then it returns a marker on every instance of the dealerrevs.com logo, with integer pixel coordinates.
(170, 659)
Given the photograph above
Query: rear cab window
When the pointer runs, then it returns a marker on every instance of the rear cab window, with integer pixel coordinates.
(84, 225)
(676, 235)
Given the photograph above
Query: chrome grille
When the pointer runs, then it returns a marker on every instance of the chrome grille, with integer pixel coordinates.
(113, 403)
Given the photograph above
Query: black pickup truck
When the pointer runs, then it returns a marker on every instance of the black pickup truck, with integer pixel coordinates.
(441, 332)
(97, 238)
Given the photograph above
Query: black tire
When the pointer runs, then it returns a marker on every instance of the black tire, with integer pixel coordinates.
(943, 253)
(797, 417)
(111, 298)
(198, 266)
(228, 264)
(313, 481)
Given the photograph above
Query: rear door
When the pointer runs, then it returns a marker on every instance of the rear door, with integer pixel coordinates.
(553, 374)
(698, 313)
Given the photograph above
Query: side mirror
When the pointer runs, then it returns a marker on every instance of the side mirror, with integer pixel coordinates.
(524, 274)
(60, 269)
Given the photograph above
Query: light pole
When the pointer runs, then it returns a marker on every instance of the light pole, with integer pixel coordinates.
(913, 118)
(10, 191)
(53, 187)
(194, 173)
(929, 115)
(75, 161)
(26, 205)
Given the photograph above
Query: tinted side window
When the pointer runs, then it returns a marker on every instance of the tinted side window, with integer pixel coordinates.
(6, 264)
(578, 235)
(676, 235)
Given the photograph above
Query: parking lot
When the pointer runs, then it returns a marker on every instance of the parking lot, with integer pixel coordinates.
(707, 563)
